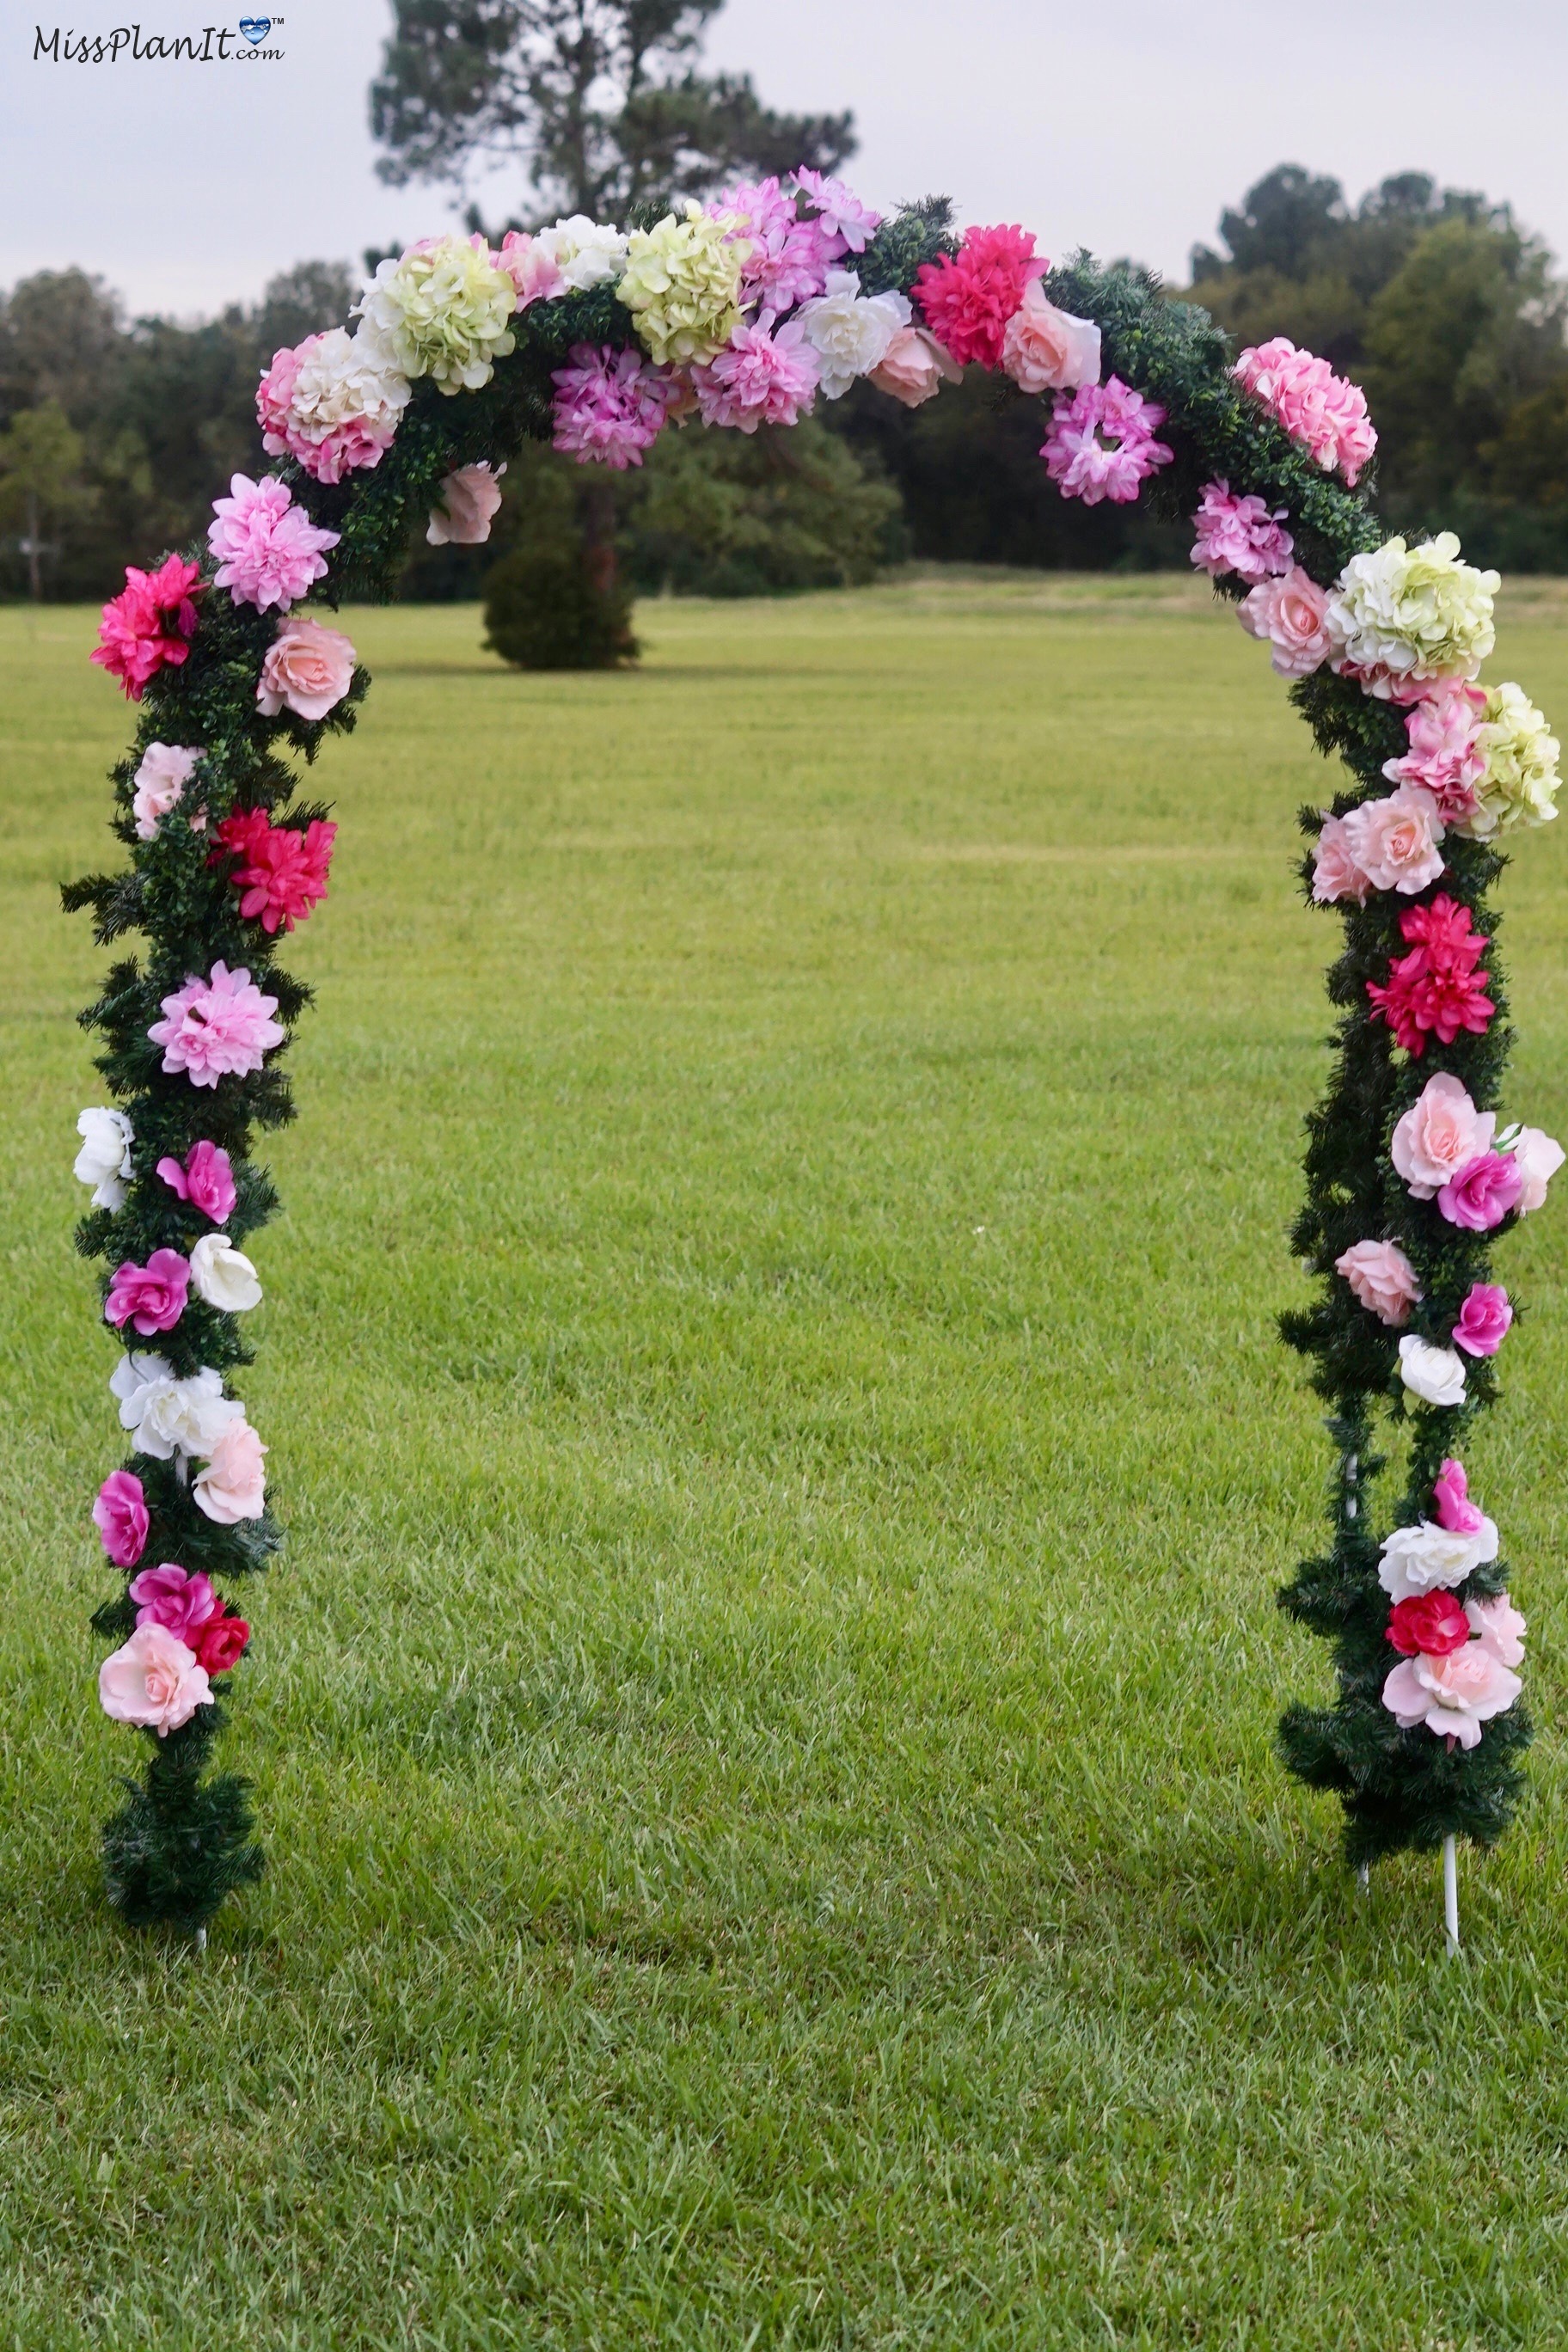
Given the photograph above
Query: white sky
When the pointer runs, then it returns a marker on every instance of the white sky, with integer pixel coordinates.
(1124, 128)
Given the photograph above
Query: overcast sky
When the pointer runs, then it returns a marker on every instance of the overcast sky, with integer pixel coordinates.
(1124, 128)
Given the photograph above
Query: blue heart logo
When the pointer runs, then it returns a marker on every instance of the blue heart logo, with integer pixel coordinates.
(256, 29)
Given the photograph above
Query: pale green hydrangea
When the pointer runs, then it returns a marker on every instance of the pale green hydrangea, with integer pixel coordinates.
(444, 310)
(682, 283)
(1520, 786)
(1411, 613)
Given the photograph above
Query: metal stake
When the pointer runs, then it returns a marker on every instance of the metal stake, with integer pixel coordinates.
(1451, 1894)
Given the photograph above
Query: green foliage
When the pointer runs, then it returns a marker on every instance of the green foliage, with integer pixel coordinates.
(41, 481)
(544, 610)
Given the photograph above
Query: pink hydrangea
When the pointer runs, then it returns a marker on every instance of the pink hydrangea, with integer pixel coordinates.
(610, 406)
(839, 209)
(790, 256)
(149, 624)
(763, 376)
(1444, 757)
(967, 299)
(218, 1027)
(120, 1514)
(206, 1180)
(269, 550)
(1101, 443)
(330, 403)
(1317, 408)
(149, 1297)
(1239, 535)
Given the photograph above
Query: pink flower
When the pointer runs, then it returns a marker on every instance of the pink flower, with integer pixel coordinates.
(1319, 409)
(1238, 535)
(915, 367)
(1428, 1623)
(160, 784)
(1335, 874)
(1435, 991)
(119, 1516)
(149, 1297)
(789, 258)
(169, 1597)
(469, 498)
(1499, 1627)
(839, 209)
(1047, 350)
(1101, 443)
(1451, 1492)
(1453, 1696)
(331, 403)
(1395, 841)
(220, 1645)
(218, 1027)
(1440, 1134)
(153, 1681)
(148, 624)
(1482, 1193)
(1443, 758)
(308, 670)
(1484, 1320)
(1538, 1159)
(269, 550)
(206, 1180)
(967, 300)
(282, 873)
(762, 377)
(232, 1485)
(610, 406)
(1383, 1279)
(1290, 614)
(535, 276)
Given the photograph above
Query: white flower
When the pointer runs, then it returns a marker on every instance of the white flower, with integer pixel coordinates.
(1500, 1626)
(442, 310)
(586, 252)
(224, 1275)
(1437, 1375)
(161, 782)
(104, 1160)
(345, 379)
(1536, 1155)
(168, 1416)
(1412, 613)
(1518, 784)
(851, 332)
(1421, 1559)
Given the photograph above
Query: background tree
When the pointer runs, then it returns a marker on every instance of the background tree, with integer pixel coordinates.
(41, 482)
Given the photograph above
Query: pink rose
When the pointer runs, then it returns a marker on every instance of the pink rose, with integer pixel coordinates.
(469, 498)
(1047, 350)
(153, 1681)
(169, 1597)
(308, 669)
(160, 784)
(119, 1516)
(1438, 1135)
(1538, 1159)
(1395, 841)
(1484, 1320)
(915, 367)
(149, 1297)
(1451, 1493)
(535, 276)
(1482, 1193)
(1499, 1627)
(1383, 1279)
(1335, 874)
(1453, 1696)
(1290, 614)
(206, 1180)
(232, 1485)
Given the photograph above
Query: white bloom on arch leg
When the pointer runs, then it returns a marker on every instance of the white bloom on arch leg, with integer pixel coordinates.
(224, 1275)
(104, 1160)
(1437, 1375)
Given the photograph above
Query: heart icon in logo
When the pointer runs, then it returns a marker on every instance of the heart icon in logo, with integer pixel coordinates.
(256, 29)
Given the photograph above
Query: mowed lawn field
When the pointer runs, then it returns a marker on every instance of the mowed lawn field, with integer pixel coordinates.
(762, 1727)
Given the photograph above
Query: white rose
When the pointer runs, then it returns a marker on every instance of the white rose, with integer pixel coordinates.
(1420, 1559)
(1437, 1375)
(851, 332)
(1535, 1155)
(224, 1275)
(104, 1160)
(168, 1416)
(586, 252)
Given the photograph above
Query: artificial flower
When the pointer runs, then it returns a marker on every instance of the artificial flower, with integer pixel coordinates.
(308, 669)
(790, 252)
(206, 1180)
(218, 1027)
(1499, 1627)
(1290, 614)
(915, 367)
(1485, 1317)
(1436, 1375)
(1451, 1492)
(333, 402)
(149, 1297)
(158, 784)
(1428, 1623)
(1430, 1556)
(1518, 754)
(966, 299)
(1242, 535)
(1535, 1155)
(1101, 443)
(1453, 1696)
(149, 624)
(120, 1514)
(224, 1275)
(849, 331)
(1440, 1134)
(1437, 988)
(442, 310)
(282, 869)
(1394, 841)
(586, 253)
(534, 272)
(1335, 874)
(171, 1597)
(763, 376)
(1482, 1193)
(469, 499)
(842, 214)
(682, 284)
(1444, 758)
(268, 550)
(233, 1485)
(1047, 350)
(153, 1681)
(1318, 409)
(221, 1643)
(168, 1416)
(610, 406)
(1383, 1279)
(1403, 616)
(104, 1160)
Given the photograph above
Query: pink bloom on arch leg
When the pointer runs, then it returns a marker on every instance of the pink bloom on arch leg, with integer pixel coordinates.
(153, 1681)
(309, 669)
(218, 1027)
(206, 1180)
(149, 1297)
(233, 1485)
(120, 1518)
(268, 550)
(149, 624)
(1452, 1696)
(1451, 1494)
(1484, 1320)
(1383, 1279)
(171, 1597)
(1290, 614)
(471, 500)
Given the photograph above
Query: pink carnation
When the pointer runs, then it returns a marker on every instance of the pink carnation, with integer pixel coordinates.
(1335, 874)
(269, 550)
(1290, 614)
(1484, 1320)
(120, 1514)
(149, 1297)
(206, 1180)
(789, 258)
(1239, 535)
(1317, 408)
(762, 377)
(153, 1681)
(170, 1596)
(217, 1027)
(967, 299)
(839, 209)
(1451, 1493)
(1444, 758)
(1437, 988)
(1101, 443)
(532, 271)
(610, 406)
(149, 624)
(1383, 1279)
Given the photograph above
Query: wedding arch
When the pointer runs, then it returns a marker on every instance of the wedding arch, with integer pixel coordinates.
(729, 316)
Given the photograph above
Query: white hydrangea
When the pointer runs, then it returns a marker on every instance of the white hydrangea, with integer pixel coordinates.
(851, 332)
(1412, 613)
(442, 310)
(168, 1416)
(1429, 1558)
(586, 252)
(1519, 784)
(104, 1160)
(345, 379)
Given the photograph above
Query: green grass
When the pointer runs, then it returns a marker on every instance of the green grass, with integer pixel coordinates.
(762, 1727)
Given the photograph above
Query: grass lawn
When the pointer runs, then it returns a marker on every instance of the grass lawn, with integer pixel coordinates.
(762, 1727)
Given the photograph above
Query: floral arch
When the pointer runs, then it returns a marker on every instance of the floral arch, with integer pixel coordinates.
(726, 317)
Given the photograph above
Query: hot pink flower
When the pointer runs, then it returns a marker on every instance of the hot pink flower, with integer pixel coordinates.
(1101, 443)
(1395, 841)
(206, 1180)
(169, 1597)
(967, 300)
(232, 1485)
(148, 624)
(149, 1297)
(120, 1518)
(762, 377)
(1443, 758)
(789, 258)
(220, 1645)
(839, 210)
(1290, 615)
(1239, 535)
(1440, 1134)
(217, 1027)
(471, 500)
(1451, 1493)
(610, 406)
(1484, 1320)
(282, 873)
(1383, 1279)
(153, 1681)
(1435, 991)
(1482, 1193)
(269, 550)
(1430, 1624)
(1335, 874)
(1499, 1627)
(1453, 1696)
(535, 276)
(309, 669)
(1318, 409)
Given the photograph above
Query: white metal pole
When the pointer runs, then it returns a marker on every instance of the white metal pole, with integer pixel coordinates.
(1451, 1894)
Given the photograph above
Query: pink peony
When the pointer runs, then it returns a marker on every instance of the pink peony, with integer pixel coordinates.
(1537, 1158)
(269, 550)
(169, 1597)
(1499, 1627)
(149, 1297)
(1482, 1193)
(120, 1518)
(610, 406)
(762, 377)
(1383, 1279)
(154, 1681)
(1430, 1624)
(1451, 1493)
(536, 275)
(1453, 1696)
(915, 367)
(218, 1027)
(967, 300)
(839, 210)
(1444, 758)
(206, 1180)
(1318, 409)
(1102, 444)
(1047, 350)
(1290, 614)
(1440, 1134)
(1335, 874)
(1395, 841)
(160, 784)
(308, 670)
(232, 1485)
(1239, 535)
(789, 257)
(1484, 1320)
(282, 870)
(149, 624)
(469, 500)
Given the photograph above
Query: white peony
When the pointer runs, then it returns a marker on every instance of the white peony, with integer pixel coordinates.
(1437, 1375)
(1518, 784)
(851, 332)
(585, 252)
(1412, 613)
(168, 1416)
(104, 1160)
(224, 1275)
(1423, 1559)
